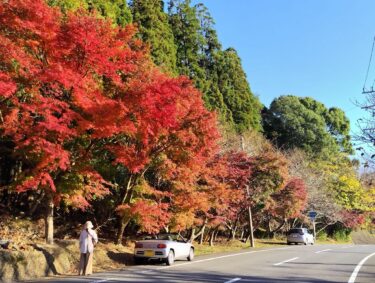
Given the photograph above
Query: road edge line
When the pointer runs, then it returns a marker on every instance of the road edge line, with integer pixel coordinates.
(220, 257)
(358, 267)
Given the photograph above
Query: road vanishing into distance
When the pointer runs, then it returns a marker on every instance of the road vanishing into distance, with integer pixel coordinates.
(318, 263)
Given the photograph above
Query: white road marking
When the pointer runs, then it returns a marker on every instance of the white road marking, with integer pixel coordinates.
(285, 261)
(191, 262)
(358, 267)
(322, 251)
(219, 257)
(233, 280)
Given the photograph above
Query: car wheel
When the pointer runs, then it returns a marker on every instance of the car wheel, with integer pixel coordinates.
(305, 243)
(288, 243)
(170, 258)
(191, 255)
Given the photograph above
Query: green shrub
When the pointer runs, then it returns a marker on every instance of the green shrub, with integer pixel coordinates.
(322, 235)
(342, 235)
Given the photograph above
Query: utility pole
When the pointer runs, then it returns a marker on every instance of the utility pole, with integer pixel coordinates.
(252, 244)
(314, 231)
(312, 214)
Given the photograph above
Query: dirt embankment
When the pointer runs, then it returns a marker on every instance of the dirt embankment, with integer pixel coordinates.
(61, 258)
(26, 256)
(363, 237)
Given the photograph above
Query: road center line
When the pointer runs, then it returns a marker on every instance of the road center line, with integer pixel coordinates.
(358, 267)
(192, 262)
(285, 261)
(233, 280)
(322, 251)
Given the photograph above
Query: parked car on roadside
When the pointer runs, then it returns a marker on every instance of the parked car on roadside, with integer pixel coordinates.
(165, 247)
(300, 235)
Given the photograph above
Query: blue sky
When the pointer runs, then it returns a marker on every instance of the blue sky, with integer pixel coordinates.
(316, 48)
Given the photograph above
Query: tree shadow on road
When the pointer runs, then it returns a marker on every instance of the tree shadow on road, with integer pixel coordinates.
(178, 276)
(273, 243)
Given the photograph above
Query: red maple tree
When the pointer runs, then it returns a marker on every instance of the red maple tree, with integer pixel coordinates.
(62, 86)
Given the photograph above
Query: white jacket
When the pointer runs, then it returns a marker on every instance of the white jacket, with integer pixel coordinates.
(86, 241)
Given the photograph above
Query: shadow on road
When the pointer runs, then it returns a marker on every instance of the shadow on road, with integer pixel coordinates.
(173, 276)
(273, 243)
(176, 276)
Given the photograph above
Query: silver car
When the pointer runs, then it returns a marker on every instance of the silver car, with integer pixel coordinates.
(300, 235)
(165, 247)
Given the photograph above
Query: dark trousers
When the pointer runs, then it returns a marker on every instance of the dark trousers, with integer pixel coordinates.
(85, 264)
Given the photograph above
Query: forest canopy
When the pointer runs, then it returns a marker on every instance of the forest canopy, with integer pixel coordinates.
(135, 116)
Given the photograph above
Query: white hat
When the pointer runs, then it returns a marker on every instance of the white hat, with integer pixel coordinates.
(88, 225)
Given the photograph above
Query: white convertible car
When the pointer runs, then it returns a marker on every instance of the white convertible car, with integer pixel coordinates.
(165, 247)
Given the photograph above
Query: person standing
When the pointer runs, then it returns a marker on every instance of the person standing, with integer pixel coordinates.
(87, 239)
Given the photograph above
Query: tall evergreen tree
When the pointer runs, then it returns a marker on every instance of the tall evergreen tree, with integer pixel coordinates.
(186, 30)
(209, 53)
(198, 50)
(244, 106)
(156, 31)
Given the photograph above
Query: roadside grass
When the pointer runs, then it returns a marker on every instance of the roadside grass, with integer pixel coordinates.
(330, 241)
(234, 245)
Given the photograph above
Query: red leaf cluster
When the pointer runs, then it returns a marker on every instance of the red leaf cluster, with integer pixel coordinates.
(69, 83)
(352, 219)
(290, 201)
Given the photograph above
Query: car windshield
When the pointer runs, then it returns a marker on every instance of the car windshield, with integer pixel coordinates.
(296, 231)
(169, 237)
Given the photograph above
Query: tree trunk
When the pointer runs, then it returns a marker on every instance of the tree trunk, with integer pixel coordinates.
(49, 220)
(269, 230)
(251, 229)
(216, 234)
(123, 221)
(120, 231)
(242, 233)
(247, 238)
(202, 235)
(233, 233)
(279, 227)
(208, 235)
(192, 235)
(212, 236)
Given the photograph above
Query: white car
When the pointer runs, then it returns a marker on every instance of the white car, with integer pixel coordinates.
(300, 235)
(165, 247)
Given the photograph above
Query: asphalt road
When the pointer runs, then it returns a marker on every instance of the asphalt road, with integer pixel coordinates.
(318, 263)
